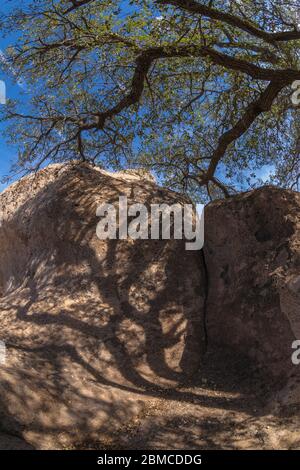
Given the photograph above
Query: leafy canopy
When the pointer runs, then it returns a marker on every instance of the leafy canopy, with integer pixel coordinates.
(199, 91)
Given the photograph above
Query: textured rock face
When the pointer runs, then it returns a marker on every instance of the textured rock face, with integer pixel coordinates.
(94, 329)
(89, 324)
(252, 255)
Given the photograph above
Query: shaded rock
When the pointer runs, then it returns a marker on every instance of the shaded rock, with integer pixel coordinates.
(90, 326)
(94, 330)
(252, 255)
(13, 443)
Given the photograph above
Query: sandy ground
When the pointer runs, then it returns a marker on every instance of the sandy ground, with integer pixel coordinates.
(226, 409)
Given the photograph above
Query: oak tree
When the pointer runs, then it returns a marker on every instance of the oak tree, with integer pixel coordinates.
(199, 91)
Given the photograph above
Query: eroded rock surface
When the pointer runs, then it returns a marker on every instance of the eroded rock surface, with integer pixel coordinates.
(252, 254)
(91, 327)
(100, 333)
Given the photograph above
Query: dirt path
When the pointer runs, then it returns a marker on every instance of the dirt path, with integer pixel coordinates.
(224, 410)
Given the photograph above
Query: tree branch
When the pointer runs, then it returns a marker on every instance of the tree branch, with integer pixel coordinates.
(194, 7)
(259, 106)
(147, 57)
(77, 4)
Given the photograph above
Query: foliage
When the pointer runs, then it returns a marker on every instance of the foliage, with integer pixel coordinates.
(199, 91)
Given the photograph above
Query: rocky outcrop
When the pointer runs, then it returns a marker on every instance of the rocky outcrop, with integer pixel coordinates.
(89, 324)
(252, 254)
(94, 328)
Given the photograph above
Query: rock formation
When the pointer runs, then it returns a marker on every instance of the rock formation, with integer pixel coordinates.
(252, 253)
(89, 323)
(93, 328)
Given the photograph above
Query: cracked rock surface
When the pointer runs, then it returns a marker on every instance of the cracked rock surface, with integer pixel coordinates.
(106, 339)
(252, 254)
(92, 327)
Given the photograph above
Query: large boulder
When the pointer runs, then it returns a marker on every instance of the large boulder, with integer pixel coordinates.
(95, 329)
(252, 253)
(92, 327)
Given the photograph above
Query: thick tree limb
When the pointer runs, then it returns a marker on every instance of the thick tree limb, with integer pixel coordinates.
(146, 58)
(253, 111)
(77, 4)
(192, 6)
(278, 80)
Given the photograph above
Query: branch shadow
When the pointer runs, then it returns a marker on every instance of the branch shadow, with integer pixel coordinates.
(94, 328)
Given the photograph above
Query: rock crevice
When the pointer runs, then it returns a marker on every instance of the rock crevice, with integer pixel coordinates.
(252, 252)
(95, 327)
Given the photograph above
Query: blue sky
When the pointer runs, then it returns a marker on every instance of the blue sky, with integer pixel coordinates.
(14, 90)
(7, 153)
